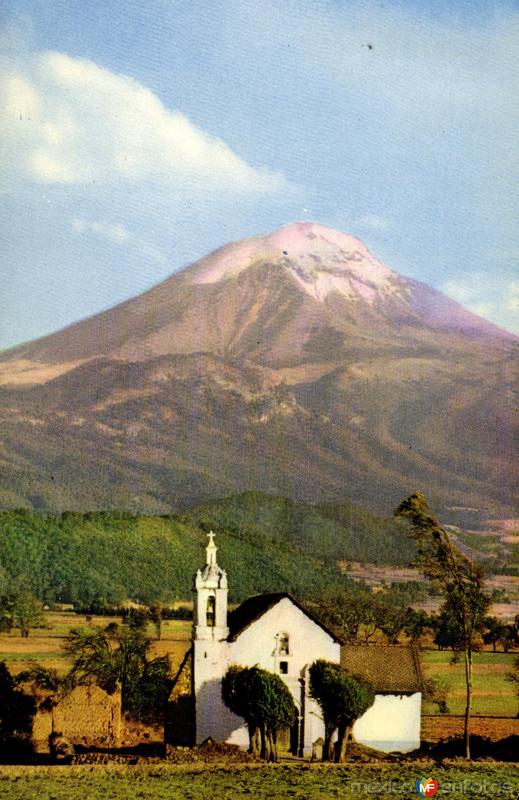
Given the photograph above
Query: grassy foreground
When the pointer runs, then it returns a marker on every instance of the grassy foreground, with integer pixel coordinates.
(301, 782)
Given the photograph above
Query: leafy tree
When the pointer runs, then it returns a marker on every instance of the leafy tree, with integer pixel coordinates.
(156, 614)
(238, 688)
(136, 618)
(148, 690)
(48, 680)
(6, 617)
(17, 710)
(491, 635)
(263, 701)
(460, 580)
(343, 699)
(448, 632)
(351, 613)
(44, 678)
(4, 582)
(120, 658)
(416, 623)
(508, 637)
(499, 633)
(390, 616)
(95, 657)
(436, 691)
(27, 612)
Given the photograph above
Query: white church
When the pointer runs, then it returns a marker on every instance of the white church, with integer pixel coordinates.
(274, 632)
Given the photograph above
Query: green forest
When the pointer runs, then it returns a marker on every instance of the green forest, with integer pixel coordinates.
(265, 543)
(343, 532)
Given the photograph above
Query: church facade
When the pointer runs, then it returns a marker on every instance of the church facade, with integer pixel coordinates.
(274, 632)
(270, 631)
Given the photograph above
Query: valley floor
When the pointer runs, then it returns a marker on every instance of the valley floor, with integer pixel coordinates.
(494, 695)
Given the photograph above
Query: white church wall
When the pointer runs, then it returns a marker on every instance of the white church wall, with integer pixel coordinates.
(259, 645)
(213, 718)
(392, 724)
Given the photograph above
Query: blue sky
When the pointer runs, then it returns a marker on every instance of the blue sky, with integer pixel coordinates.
(137, 137)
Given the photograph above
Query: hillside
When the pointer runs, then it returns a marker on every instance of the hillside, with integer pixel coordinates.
(111, 557)
(295, 364)
(330, 532)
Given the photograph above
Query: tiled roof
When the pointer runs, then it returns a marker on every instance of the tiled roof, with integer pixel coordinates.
(391, 669)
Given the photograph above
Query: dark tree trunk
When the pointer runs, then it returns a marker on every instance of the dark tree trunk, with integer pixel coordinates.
(468, 698)
(272, 745)
(327, 746)
(253, 739)
(342, 743)
(263, 740)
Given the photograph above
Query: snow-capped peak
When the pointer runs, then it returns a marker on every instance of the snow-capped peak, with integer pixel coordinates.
(321, 260)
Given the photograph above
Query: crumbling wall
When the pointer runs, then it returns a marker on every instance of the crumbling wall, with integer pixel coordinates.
(87, 716)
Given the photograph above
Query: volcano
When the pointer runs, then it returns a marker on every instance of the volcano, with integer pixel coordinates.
(295, 363)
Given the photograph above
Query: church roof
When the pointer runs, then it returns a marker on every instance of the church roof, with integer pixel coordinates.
(391, 669)
(254, 607)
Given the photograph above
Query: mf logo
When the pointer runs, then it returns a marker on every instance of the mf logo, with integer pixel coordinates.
(427, 787)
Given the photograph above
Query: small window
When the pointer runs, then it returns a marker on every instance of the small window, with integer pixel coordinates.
(210, 613)
(283, 667)
(283, 647)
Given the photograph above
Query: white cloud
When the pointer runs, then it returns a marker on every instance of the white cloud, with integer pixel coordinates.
(492, 297)
(373, 222)
(69, 121)
(116, 233)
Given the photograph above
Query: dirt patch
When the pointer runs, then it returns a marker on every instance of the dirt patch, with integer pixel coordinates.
(135, 733)
(378, 574)
(502, 524)
(207, 753)
(439, 727)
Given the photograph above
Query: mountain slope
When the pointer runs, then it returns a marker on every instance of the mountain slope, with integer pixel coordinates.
(295, 363)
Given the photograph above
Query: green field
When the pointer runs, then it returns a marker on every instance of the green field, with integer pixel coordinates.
(493, 695)
(262, 783)
(45, 644)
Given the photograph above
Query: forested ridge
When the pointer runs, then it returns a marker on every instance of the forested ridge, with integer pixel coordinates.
(330, 531)
(265, 543)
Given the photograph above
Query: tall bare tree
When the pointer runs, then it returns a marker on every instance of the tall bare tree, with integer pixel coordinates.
(460, 580)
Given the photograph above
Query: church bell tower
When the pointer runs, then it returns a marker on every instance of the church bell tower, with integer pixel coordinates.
(210, 647)
(210, 619)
